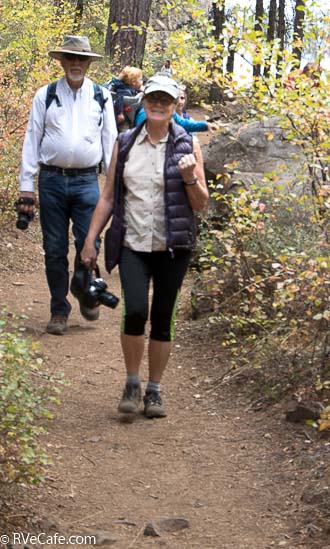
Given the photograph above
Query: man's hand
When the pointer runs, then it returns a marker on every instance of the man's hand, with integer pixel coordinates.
(26, 208)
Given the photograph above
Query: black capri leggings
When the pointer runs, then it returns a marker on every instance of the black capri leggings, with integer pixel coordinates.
(136, 269)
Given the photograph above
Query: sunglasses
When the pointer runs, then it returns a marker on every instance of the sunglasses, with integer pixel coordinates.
(154, 98)
(75, 57)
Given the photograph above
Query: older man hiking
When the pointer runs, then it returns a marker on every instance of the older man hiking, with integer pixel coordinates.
(70, 130)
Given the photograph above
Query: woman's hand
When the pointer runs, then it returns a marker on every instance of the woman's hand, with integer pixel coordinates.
(88, 255)
(187, 165)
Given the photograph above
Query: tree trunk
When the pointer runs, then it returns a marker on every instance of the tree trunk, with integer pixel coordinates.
(218, 20)
(125, 44)
(218, 15)
(258, 27)
(230, 58)
(270, 34)
(78, 15)
(280, 35)
(59, 5)
(298, 29)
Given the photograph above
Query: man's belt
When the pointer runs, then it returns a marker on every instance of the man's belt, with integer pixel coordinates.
(70, 172)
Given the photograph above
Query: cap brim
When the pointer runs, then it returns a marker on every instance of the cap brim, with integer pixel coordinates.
(160, 88)
(57, 54)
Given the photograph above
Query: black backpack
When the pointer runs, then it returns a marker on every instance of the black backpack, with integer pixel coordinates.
(52, 96)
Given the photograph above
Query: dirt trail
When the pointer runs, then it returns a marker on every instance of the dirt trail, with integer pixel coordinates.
(211, 461)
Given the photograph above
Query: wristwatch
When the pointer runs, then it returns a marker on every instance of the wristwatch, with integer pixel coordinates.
(191, 182)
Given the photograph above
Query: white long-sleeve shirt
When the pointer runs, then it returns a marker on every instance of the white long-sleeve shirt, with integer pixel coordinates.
(73, 135)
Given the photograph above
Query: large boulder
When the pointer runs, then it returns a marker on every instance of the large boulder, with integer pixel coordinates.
(246, 151)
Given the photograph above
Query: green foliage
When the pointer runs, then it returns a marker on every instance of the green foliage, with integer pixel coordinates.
(25, 392)
(28, 30)
(267, 269)
(266, 258)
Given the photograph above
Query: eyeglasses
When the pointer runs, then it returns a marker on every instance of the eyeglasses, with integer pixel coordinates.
(165, 100)
(75, 57)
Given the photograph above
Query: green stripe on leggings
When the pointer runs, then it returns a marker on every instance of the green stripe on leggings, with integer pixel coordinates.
(174, 315)
(123, 312)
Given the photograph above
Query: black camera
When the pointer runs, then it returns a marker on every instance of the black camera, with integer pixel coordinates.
(97, 295)
(23, 218)
(89, 290)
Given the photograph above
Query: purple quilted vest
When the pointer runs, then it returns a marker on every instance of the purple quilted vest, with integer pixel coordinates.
(179, 217)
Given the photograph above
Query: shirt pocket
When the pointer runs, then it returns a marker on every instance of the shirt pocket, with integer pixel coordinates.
(94, 125)
(55, 117)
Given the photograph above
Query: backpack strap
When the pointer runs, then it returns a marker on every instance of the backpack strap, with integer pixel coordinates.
(52, 95)
(98, 96)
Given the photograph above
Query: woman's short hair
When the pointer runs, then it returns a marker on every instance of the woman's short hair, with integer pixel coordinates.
(130, 74)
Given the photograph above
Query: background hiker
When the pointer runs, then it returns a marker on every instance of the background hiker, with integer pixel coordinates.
(167, 69)
(70, 129)
(154, 183)
(128, 84)
(182, 102)
(188, 124)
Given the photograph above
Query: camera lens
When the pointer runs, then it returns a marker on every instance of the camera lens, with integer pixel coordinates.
(22, 222)
(108, 299)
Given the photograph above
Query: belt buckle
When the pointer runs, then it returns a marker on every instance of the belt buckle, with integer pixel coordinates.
(67, 172)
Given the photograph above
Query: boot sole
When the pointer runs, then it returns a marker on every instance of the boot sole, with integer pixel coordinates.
(154, 413)
(56, 331)
(128, 409)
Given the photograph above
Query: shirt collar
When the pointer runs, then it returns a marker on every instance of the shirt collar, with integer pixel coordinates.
(69, 90)
(143, 135)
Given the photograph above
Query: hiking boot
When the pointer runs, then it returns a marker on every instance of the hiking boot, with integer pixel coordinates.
(153, 406)
(57, 324)
(130, 400)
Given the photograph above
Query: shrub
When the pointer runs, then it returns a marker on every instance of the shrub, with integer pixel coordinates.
(266, 271)
(25, 391)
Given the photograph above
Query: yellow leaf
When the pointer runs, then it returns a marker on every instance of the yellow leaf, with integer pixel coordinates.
(324, 425)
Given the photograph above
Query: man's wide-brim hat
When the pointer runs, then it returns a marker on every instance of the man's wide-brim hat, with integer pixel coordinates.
(79, 45)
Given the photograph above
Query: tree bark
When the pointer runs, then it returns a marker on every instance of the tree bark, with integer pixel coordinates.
(298, 28)
(270, 33)
(280, 35)
(125, 44)
(78, 15)
(258, 27)
(218, 15)
(230, 58)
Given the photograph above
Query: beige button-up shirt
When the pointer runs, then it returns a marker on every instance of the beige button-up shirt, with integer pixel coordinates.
(144, 198)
